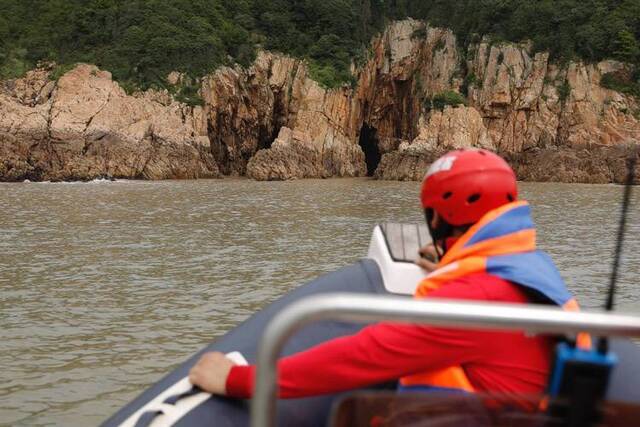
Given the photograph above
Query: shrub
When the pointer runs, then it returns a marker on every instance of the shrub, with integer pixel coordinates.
(564, 90)
(442, 99)
(330, 75)
(625, 82)
(189, 94)
(14, 64)
(60, 70)
(420, 33)
(129, 86)
(470, 80)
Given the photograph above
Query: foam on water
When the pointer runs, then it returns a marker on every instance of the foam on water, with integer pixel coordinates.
(93, 181)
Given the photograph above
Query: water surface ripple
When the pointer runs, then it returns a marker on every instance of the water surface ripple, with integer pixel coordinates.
(108, 286)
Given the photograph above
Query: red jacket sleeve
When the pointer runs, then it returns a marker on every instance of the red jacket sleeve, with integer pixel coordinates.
(376, 354)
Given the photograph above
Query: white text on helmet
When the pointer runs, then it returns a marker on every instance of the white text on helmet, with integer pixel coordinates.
(441, 165)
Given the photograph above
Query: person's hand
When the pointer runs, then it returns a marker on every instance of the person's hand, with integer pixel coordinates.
(427, 258)
(210, 372)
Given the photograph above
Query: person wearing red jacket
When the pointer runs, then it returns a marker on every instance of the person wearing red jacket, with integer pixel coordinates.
(485, 244)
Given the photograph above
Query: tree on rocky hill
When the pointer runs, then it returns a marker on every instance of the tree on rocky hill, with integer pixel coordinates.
(141, 41)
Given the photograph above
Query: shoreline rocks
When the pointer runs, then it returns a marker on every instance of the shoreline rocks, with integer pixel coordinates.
(271, 121)
(85, 126)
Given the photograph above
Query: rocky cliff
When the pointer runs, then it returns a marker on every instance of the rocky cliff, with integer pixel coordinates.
(272, 121)
(85, 126)
(553, 123)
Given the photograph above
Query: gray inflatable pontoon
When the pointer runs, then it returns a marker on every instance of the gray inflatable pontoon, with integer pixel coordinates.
(388, 269)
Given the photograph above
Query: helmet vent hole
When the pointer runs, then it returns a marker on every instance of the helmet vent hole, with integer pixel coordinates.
(510, 197)
(473, 198)
(447, 195)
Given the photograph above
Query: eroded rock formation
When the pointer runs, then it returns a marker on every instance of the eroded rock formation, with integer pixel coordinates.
(445, 130)
(272, 121)
(85, 126)
(248, 109)
(295, 155)
(552, 123)
(518, 104)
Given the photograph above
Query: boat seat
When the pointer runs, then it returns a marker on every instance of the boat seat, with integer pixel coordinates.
(404, 240)
(447, 409)
(394, 247)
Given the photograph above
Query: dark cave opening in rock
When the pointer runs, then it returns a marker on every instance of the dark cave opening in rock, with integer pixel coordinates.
(268, 131)
(369, 143)
(265, 137)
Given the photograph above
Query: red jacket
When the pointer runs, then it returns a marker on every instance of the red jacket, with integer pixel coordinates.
(503, 362)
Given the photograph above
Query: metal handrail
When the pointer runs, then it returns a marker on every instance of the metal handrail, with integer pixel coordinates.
(363, 308)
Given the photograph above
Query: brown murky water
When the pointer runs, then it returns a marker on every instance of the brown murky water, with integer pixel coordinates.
(108, 286)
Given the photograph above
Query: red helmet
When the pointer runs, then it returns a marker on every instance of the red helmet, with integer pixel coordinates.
(463, 185)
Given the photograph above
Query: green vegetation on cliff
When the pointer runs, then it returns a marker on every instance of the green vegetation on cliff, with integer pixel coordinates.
(141, 41)
(624, 82)
(440, 100)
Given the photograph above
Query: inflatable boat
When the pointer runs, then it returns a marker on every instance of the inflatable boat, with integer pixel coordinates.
(388, 269)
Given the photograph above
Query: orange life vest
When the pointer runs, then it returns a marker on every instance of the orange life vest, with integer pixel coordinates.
(502, 243)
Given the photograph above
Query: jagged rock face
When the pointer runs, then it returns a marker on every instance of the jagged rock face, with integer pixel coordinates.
(450, 129)
(240, 108)
(272, 121)
(247, 108)
(517, 102)
(407, 164)
(522, 101)
(410, 63)
(453, 128)
(294, 155)
(35, 88)
(85, 126)
(599, 164)
(544, 119)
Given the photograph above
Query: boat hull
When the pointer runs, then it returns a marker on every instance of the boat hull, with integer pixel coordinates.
(388, 269)
(362, 277)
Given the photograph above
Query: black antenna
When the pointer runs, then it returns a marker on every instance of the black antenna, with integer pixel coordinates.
(603, 343)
